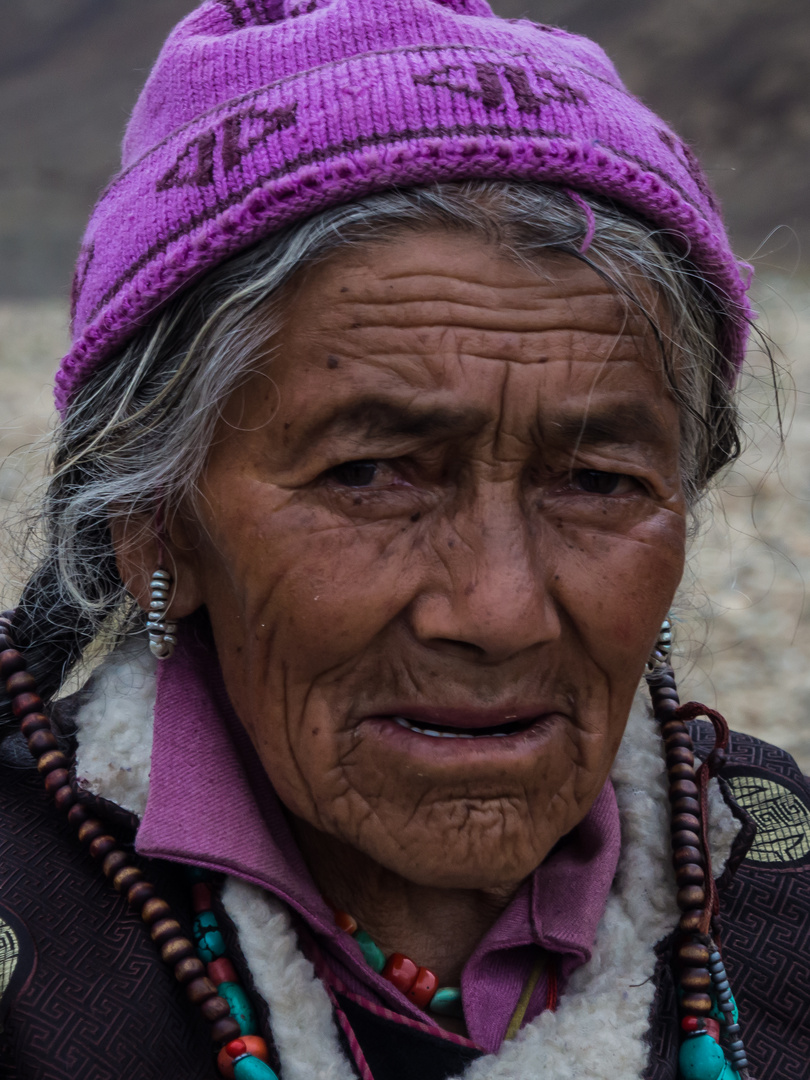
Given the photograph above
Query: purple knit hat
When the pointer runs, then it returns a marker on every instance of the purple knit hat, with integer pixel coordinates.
(259, 113)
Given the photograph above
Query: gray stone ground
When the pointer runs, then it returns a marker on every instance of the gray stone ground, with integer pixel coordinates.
(743, 635)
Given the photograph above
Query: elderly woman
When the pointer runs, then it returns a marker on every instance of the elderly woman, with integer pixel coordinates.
(404, 346)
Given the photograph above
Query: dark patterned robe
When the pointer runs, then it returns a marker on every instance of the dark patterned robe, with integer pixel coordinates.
(84, 996)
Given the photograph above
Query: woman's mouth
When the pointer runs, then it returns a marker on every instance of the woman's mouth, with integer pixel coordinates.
(455, 731)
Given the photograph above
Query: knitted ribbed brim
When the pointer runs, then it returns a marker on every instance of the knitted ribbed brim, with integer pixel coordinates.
(259, 113)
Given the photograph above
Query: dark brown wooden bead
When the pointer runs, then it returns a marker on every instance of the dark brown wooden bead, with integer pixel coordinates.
(693, 954)
(21, 682)
(50, 760)
(164, 930)
(139, 893)
(189, 969)
(695, 979)
(225, 1030)
(77, 814)
(663, 709)
(666, 692)
(681, 771)
(691, 896)
(200, 990)
(175, 950)
(697, 1004)
(675, 729)
(686, 805)
(64, 798)
(23, 704)
(154, 910)
(683, 789)
(689, 874)
(678, 740)
(56, 780)
(686, 839)
(114, 863)
(689, 922)
(215, 1008)
(126, 878)
(683, 856)
(11, 661)
(34, 722)
(90, 829)
(42, 742)
(102, 846)
(685, 821)
(680, 755)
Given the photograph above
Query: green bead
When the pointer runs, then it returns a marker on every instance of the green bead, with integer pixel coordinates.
(207, 937)
(373, 953)
(252, 1068)
(239, 1004)
(447, 1002)
(701, 1058)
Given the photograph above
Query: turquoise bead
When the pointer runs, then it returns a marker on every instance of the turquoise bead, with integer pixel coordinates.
(252, 1068)
(238, 1003)
(373, 953)
(701, 1058)
(447, 1002)
(207, 936)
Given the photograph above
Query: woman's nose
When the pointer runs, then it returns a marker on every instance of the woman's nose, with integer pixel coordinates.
(491, 596)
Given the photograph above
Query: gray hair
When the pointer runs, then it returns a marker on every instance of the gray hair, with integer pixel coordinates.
(136, 435)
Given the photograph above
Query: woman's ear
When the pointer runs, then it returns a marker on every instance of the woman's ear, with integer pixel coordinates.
(138, 555)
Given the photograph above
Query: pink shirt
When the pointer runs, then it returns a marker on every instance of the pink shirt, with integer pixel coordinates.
(211, 804)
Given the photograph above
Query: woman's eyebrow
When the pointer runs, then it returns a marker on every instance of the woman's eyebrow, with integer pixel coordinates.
(623, 423)
(375, 417)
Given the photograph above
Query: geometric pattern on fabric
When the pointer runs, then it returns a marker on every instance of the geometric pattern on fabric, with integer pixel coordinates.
(101, 1004)
(18, 958)
(765, 911)
(781, 815)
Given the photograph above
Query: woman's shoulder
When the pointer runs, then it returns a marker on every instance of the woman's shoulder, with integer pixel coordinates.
(765, 900)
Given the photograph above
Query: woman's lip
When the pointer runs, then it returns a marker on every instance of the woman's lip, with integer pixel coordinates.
(463, 719)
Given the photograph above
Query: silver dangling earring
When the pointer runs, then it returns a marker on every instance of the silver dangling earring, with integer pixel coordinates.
(162, 631)
(659, 657)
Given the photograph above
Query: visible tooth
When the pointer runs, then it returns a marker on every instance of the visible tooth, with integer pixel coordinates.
(403, 722)
(428, 731)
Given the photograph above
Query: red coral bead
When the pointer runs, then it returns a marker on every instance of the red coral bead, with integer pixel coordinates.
(253, 1045)
(691, 1023)
(222, 970)
(400, 971)
(345, 922)
(424, 988)
(200, 897)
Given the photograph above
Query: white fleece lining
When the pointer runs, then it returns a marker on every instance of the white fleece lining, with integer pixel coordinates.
(598, 1031)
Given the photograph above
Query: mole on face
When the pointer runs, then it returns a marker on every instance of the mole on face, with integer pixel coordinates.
(332, 362)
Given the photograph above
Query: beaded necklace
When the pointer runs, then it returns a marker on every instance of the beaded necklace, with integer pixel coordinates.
(711, 1049)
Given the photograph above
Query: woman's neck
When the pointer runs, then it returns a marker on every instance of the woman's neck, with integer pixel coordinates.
(437, 928)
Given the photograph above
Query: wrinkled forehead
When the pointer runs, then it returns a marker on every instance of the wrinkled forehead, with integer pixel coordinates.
(441, 330)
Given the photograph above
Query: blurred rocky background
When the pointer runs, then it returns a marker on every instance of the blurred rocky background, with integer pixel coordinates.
(733, 76)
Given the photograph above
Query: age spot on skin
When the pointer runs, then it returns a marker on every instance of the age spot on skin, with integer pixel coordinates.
(332, 362)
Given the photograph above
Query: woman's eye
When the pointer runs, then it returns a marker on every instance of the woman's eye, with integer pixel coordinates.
(356, 474)
(595, 482)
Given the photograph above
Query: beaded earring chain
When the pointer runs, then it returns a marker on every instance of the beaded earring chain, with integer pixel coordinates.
(705, 998)
(240, 1056)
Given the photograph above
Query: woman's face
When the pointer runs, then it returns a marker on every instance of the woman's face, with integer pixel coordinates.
(440, 531)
